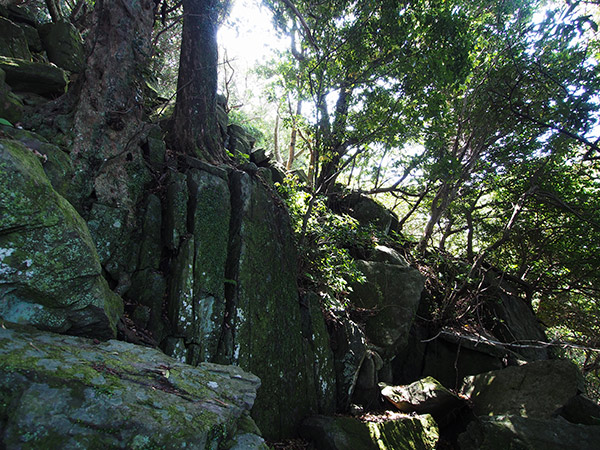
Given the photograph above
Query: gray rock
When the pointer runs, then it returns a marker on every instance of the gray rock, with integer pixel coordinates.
(537, 389)
(426, 396)
(12, 41)
(176, 209)
(11, 106)
(347, 433)
(350, 349)
(388, 255)
(50, 275)
(581, 409)
(513, 432)
(262, 297)
(67, 392)
(393, 292)
(64, 45)
(39, 78)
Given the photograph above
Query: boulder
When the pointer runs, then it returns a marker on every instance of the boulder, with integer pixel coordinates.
(393, 292)
(11, 106)
(388, 255)
(39, 78)
(64, 45)
(66, 392)
(514, 432)
(13, 43)
(364, 209)
(50, 274)
(426, 396)
(581, 409)
(347, 433)
(512, 319)
(537, 389)
(239, 141)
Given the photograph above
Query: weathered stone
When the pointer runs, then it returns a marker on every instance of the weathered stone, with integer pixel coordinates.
(211, 207)
(150, 248)
(453, 355)
(11, 106)
(318, 353)
(181, 292)
(67, 392)
(12, 41)
(350, 348)
(537, 389)
(32, 37)
(263, 300)
(64, 45)
(581, 409)
(50, 275)
(39, 78)
(176, 210)
(259, 156)
(148, 289)
(513, 432)
(364, 209)
(388, 255)
(112, 233)
(393, 292)
(511, 319)
(346, 433)
(239, 140)
(426, 396)
(56, 162)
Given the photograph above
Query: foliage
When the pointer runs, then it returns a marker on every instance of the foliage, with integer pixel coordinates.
(326, 265)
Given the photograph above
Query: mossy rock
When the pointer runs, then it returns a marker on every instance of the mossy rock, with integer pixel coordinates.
(347, 433)
(11, 106)
(12, 41)
(50, 275)
(68, 392)
(64, 45)
(39, 78)
(266, 333)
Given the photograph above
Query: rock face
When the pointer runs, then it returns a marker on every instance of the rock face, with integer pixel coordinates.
(513, 432)
(67, 392)
(50, 275)
(263, 331)
(346, 433)
(537, 389)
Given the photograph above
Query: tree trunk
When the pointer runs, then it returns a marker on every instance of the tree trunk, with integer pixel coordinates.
(294, 137)
(55, 10)
(194, 128)
(108, 115)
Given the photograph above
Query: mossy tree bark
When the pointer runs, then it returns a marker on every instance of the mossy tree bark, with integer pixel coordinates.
(194, 128)
(109, 114)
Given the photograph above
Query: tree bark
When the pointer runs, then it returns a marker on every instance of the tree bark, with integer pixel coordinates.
(108, 115)
(194, 128)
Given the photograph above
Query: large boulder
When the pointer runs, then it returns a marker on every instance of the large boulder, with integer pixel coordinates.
(393, 293)
(514, 432)
(50, 274)
(64, 45)
(11, 106)
(66, 392)
(39, 78)
(347, 433)
(538, 389)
